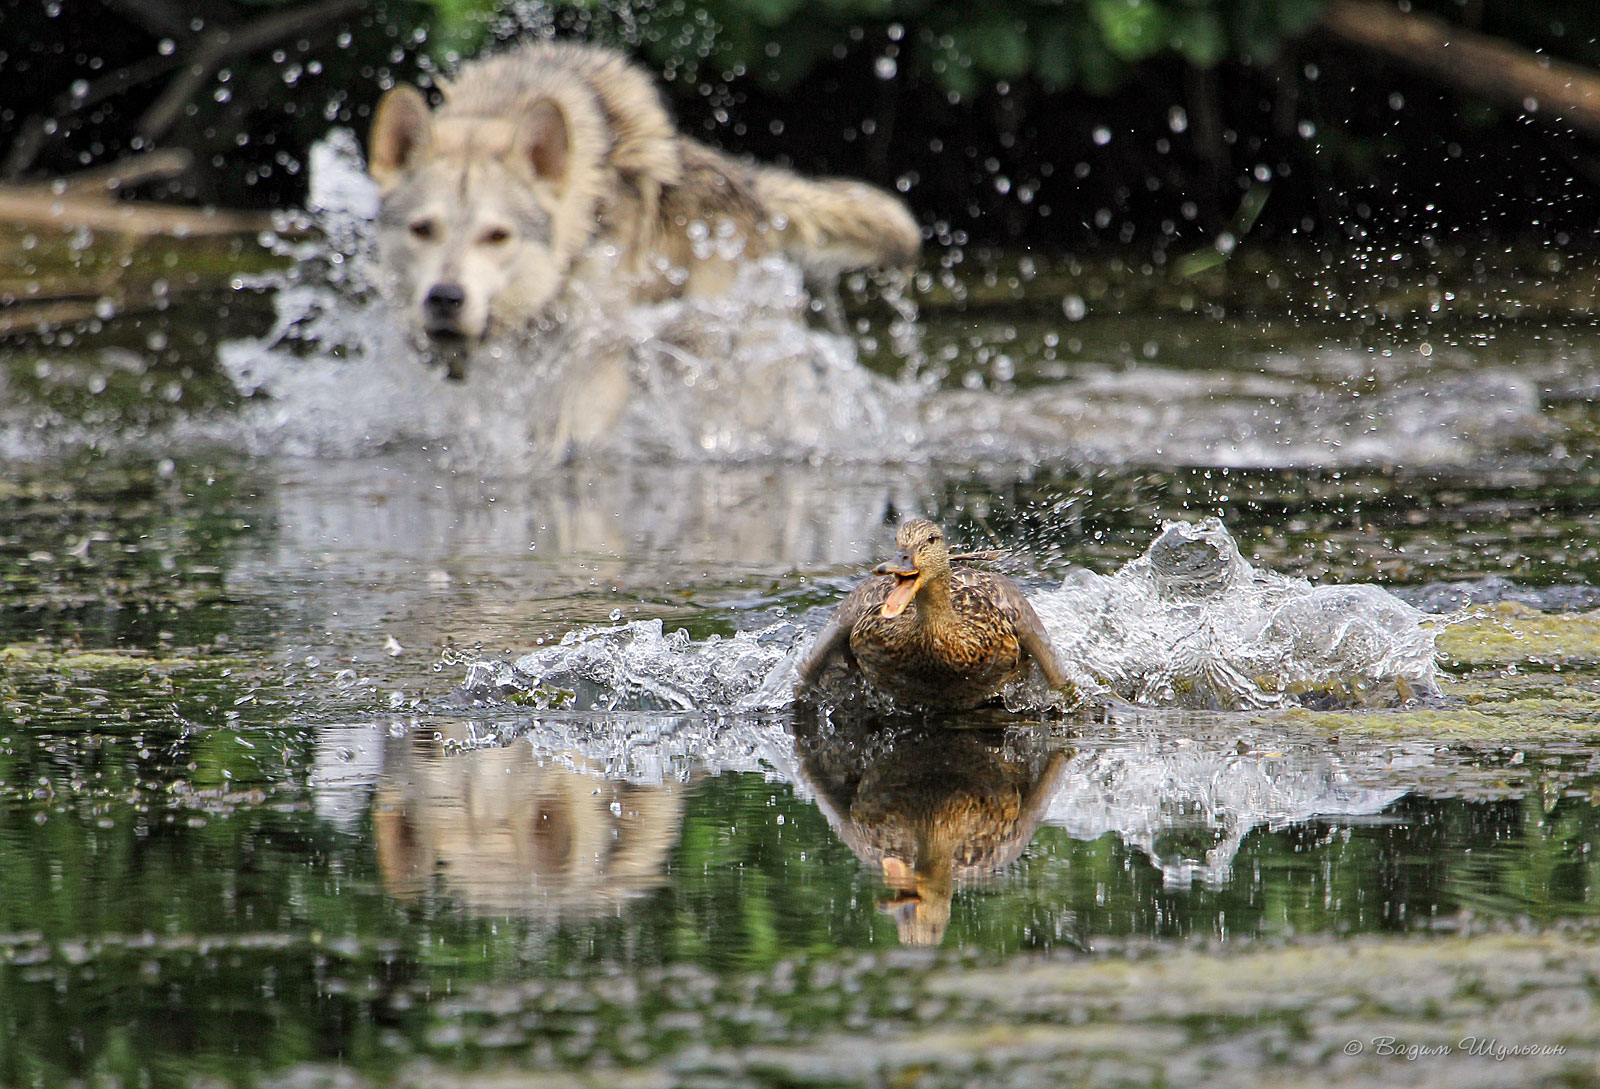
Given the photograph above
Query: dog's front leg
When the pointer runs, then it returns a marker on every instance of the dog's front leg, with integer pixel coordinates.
(589, 404)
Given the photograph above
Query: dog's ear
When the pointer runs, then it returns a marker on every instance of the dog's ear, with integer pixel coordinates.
(401, 129)
(545, 141)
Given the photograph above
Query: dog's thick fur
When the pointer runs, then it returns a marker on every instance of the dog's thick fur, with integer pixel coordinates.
(558, 162)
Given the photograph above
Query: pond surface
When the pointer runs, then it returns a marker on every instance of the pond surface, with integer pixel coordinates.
(280, 803)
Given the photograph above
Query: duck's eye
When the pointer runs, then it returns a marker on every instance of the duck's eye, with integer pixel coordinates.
(423, 229)
(495, 236)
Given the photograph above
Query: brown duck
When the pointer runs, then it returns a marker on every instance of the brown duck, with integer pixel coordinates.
(933, 636)
(929, 808)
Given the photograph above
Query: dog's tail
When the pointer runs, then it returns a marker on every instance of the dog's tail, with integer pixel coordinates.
(832, 225)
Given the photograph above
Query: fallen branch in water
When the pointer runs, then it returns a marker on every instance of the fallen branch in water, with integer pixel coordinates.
(70, 251)
(120, 175)
(28, 206)
(36, 317)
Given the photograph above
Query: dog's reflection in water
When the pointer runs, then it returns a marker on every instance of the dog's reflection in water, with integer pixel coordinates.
(516, 831)
(927, 805)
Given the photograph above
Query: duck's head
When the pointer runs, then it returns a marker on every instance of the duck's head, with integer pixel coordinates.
(924, 556)
(922, 897)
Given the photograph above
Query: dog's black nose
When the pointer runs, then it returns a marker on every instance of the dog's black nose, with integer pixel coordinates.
(444, 302)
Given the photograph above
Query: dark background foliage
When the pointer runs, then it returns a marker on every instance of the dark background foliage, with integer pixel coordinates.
(1138, 123)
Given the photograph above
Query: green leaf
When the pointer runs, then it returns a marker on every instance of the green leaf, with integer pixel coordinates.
(1256, 28)
(957, 76)
(1132, 29)
(1200, 38)
(1052, 57)
(459, 25)
(1100, 71)
(1298, 16)
(800, 47)
(847, 11)
(770, 12)
(999, 47)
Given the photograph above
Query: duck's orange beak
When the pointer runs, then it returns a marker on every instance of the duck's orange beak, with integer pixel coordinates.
(907, 580)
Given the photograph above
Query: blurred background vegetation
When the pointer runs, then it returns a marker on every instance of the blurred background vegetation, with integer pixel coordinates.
(1055, 123)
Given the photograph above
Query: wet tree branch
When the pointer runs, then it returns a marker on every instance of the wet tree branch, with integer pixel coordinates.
(106, 181)
(30, 140)
(197, 58)
(1505, 74)
(27, 207)
(218, 45)
(157, 16)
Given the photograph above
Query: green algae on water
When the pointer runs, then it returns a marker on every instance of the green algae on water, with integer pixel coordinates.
(1508, 633)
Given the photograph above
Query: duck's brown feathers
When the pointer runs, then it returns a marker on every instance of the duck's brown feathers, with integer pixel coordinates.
(990, 641)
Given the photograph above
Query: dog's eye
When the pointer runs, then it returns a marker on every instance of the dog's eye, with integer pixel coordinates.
(423, 229)
(495, 236)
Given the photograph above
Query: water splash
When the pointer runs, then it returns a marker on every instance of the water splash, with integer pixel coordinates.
(729, 378)
(1184, 790)
(1188, 804)
(743, 377)
(1190, 623)
(639, 666)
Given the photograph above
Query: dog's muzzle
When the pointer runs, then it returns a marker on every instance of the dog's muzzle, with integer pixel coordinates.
(441, 310)
(441, 321)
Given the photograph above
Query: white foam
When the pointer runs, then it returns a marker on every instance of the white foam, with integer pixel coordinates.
(1191, 623)
(1188, 624)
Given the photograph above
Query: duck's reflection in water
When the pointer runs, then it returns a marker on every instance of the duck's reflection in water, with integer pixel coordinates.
(517, 830)
(928, 806)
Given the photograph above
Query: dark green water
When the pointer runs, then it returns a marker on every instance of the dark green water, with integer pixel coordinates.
(248, 832)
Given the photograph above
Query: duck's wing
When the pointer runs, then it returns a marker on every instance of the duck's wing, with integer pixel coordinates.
(834, 639)
(1035, 802)
(1009, 599)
